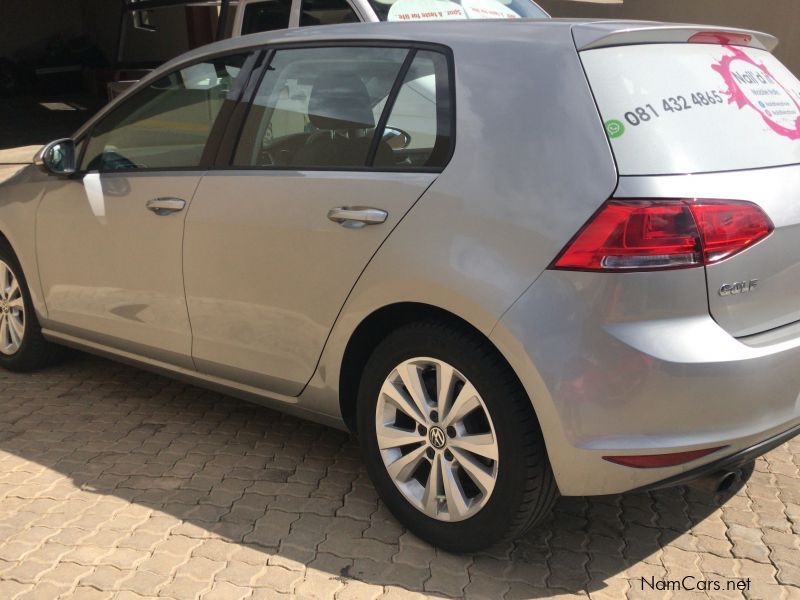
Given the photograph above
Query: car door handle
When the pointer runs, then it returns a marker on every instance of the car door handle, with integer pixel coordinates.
(357, 216)
(166, 206)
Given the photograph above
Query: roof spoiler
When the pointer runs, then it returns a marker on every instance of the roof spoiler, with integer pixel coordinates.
(602, 34)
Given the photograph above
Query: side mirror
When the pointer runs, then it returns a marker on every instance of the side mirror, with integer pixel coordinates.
(57, 158)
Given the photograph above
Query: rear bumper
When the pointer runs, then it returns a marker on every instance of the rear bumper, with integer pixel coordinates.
(633, 364)
(727, 463)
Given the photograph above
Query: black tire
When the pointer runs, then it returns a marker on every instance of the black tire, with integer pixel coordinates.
(35, 352)
(525, 489)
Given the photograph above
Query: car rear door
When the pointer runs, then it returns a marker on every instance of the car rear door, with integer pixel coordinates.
(278, 234)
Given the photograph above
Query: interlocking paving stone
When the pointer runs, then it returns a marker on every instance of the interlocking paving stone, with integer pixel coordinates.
(116, 483)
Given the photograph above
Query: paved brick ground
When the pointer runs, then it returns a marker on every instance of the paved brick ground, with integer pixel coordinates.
(117, 483)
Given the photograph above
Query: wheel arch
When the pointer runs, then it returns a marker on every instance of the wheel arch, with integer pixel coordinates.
(29, 269)
(374, 328)
(4, 240)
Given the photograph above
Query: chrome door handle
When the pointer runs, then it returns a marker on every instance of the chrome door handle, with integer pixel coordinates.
(165, 206)
(357, 216)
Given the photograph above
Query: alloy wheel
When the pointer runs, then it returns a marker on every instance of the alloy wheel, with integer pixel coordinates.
(437, 439)
(12, 312)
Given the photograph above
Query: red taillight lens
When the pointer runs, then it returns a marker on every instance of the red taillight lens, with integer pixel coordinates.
(721, 37)
(627, 235)
(728, 228)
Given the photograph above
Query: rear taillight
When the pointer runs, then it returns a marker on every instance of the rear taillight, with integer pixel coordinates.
(626, 235)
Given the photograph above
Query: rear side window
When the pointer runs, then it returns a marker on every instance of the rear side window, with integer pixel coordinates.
(417, 132)
(693, 108)
(347, 107)
(314, 107)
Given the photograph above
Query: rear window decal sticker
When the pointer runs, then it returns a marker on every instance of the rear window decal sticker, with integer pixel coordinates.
(615, 128)
(750, 84)
(681, 116)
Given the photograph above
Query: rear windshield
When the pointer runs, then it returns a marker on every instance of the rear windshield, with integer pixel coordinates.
(693, 108)
(435, 10)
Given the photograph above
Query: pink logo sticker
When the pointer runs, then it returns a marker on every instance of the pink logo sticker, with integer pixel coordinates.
(751, 84)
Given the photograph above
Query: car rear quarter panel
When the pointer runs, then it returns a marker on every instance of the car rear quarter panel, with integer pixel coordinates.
(773, 262)
(531, 164)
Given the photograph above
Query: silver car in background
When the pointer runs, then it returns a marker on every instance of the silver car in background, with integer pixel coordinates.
(517, 258)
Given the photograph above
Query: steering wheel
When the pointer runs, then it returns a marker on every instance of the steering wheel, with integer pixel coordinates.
(113, 161)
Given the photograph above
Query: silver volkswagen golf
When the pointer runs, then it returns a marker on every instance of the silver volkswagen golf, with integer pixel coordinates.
(518, 258)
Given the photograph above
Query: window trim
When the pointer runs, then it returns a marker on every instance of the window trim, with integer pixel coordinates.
(413, 47)
(391, 98)
(250, 66)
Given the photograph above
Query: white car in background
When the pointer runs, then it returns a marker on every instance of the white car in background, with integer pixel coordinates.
(143, 19)
(253, 16)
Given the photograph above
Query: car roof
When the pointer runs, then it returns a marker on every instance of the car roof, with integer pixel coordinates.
(587, 33)
(583, 33)
(444, 32)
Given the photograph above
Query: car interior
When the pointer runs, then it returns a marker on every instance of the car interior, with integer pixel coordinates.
(325, 115)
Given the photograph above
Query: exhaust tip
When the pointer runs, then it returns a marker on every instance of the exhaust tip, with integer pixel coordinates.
(726, 481)
(716, 482)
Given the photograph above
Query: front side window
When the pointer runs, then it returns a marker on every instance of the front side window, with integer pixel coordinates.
(266, 16)
(315, 107)
(166, 124)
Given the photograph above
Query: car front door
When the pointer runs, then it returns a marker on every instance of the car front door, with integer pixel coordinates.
(109, 241)
(321, 175)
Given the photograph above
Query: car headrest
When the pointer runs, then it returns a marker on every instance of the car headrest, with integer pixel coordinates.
(339, 100)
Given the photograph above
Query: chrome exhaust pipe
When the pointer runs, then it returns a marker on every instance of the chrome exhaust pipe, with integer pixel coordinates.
(718, 481)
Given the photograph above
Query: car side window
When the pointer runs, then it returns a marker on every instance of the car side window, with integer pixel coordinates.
(417, 132)
(266, 16)
(165, 125)
(315, 107)
(326, 12)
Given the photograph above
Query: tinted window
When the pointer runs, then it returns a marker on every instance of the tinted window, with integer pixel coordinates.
(318, 107)
(326, 12)
(266, 16)
(167, 124)
(417, 131)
